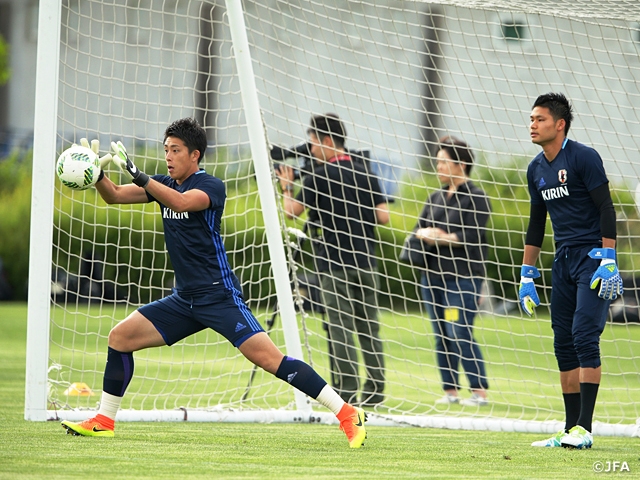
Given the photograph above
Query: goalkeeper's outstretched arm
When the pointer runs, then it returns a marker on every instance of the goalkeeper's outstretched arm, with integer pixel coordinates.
(120, 194)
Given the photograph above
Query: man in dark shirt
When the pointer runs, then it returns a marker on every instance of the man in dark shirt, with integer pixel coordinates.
(348, 202)
(207, 293)
(567, 180)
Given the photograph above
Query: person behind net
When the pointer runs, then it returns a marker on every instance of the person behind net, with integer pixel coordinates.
(567, 179)
(207, 293)
(452, 225)
(348, 203)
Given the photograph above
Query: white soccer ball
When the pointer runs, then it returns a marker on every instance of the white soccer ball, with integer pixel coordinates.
(78, 167)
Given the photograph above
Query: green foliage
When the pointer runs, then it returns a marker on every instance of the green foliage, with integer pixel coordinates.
(15, 202)
(5, 71)
(15, 170)
(124, 235)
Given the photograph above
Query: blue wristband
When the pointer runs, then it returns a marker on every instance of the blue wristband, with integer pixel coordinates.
(529, 271)
(602, 253)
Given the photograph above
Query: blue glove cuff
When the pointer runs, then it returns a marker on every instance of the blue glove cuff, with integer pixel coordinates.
(529, 271)
(602, 253)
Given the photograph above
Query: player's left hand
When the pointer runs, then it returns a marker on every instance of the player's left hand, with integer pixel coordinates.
(607, 274)
(124, 162)
(527, 294)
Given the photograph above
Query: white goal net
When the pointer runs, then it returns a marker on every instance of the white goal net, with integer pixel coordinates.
(400, 74)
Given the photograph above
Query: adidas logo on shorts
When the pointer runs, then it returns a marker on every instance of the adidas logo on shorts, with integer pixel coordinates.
(240, 326)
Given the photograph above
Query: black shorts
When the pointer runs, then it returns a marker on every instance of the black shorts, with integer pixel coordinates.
(179, 316)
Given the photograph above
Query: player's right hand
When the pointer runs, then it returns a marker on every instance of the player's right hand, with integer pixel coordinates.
(529, 299)
(124, 162)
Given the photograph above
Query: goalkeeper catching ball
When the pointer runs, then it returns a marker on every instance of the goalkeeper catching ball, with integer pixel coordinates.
(207, 293)
(567, 180)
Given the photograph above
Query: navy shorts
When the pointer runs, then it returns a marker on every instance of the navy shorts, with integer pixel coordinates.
(180, 315)
(578, 315)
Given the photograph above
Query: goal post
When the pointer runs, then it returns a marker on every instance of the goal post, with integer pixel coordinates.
(260, 154)
(41, 232)
(400, 74)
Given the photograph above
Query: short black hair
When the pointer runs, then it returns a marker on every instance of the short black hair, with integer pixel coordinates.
(190, 132)
(330, 125)
(559, 107)
(458, 151)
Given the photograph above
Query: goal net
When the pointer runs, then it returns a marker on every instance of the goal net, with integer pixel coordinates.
(400, 74)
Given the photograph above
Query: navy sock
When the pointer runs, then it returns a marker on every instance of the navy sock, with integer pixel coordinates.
(571, 410)
(118, 372)
(588, 395)
(301, 376)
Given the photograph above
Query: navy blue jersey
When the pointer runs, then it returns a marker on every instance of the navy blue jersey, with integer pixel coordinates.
(193, 239)
(563, 185)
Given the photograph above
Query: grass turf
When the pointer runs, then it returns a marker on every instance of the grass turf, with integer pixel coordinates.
(203, 450)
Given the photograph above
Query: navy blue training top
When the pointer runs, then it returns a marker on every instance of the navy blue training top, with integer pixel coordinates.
(563, 185)
(193, 239)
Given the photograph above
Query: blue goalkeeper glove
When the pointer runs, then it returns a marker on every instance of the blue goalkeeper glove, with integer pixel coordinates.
(528, 296)
(607, 274)
(122, 160)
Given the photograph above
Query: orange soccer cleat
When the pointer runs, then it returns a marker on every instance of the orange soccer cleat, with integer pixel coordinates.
(352, 424)
(98, 426)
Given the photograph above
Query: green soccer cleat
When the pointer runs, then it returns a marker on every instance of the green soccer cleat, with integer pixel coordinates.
(555, 441)
(577, 437)
(353, 427)
(88, 428)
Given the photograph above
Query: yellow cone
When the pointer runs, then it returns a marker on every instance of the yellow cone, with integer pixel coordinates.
(78, 389)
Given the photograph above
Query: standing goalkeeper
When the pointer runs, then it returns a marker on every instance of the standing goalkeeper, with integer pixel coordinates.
(567, 179)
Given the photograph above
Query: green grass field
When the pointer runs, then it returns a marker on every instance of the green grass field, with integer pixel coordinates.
(521, 367)
(201, 450)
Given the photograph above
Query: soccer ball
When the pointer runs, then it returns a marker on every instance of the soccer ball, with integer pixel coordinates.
(78, 167)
